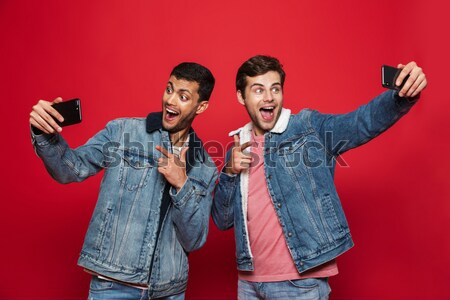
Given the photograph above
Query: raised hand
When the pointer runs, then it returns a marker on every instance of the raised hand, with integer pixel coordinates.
(41, 116)
(172, 167)
(416, 82)
(239, 160)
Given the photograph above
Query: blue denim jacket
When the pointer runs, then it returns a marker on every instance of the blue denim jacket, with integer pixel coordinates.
(121, 237)
(300, 155)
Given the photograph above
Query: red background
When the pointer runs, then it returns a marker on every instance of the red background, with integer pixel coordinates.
(116, 56)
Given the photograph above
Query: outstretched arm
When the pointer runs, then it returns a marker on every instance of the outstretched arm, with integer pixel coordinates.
(342, 132)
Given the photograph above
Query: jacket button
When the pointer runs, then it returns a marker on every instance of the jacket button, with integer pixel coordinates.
(279, 204)
(269, 176)
(289, 234)
(301, 263)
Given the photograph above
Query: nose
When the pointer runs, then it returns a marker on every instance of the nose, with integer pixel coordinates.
(268, 97)
(171, 99)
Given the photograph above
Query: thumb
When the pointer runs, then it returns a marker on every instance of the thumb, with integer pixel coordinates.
(237, 141)
(183, 154)
(57, 100)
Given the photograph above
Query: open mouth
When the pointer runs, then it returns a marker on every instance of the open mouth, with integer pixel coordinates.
(267, 112)
(171, 114)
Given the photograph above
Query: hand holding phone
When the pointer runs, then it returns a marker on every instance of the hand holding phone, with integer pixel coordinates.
(49, 117)
(414, 80)
(389, 77)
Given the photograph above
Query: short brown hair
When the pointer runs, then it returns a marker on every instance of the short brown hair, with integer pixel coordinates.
(255, 66)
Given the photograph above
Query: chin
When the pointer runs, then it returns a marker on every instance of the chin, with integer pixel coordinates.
(166, 127)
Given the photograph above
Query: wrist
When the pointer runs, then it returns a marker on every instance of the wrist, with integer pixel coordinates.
(229, 169)
(180, 186)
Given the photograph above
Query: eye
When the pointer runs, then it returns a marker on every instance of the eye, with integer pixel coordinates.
(169, 90)
(276, 90)
(184, 98)
(259, 90)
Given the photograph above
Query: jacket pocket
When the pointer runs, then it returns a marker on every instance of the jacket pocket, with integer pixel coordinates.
(104, 226)
(135, 169)
(292, 145)
(171, 261)
(330, 218)
(299, 151)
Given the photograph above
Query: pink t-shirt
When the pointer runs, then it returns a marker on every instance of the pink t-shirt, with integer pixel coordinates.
(271, 257)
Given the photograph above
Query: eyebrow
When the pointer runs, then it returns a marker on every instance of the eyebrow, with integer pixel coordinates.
(260, 84)
(181, 90)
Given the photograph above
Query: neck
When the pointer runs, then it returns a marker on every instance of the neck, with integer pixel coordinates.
(179, 138)
(258, 131)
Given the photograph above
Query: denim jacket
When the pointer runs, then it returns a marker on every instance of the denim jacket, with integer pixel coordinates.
(300, 155)
(121, 238)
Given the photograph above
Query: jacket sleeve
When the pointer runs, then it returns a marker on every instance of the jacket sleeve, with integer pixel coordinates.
(192, 209)
(67, 165)
(223, 204)
(342, 132)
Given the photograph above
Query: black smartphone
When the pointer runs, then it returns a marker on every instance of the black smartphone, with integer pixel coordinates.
(389, 76)
(70, 110)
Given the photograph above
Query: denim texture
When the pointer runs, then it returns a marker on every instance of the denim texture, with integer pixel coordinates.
(121, 237)
(100, 289)
(300, 156)
(300, 289)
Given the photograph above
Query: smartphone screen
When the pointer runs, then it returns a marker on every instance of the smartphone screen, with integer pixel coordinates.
(70, 110)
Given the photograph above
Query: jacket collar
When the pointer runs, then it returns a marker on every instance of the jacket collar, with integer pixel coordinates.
(279, 127)
(154, 122)
(245, 134)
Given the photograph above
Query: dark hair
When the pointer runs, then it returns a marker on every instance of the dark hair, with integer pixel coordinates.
(194, 72)
(255, 66)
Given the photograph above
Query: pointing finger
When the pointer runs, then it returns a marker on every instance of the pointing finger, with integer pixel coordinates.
(163, 150)
(246, 145)
(236, 140)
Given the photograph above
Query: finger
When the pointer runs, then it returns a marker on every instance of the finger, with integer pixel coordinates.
(163, 162)
(406, 70)
(163, 150)
(37, 121)
(45, 111)
(420, 88)
(244, 165)
(57, 100)
(246, 145)
(408, 87)
(247, 159)
(401, 77)
(237, 141)
(48, 107)
(415, 85)
(183, 154)
(54, 112)
(161, 170)
(242, 162)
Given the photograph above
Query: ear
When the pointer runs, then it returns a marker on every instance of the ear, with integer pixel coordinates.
(240, 98)
(202, 107)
